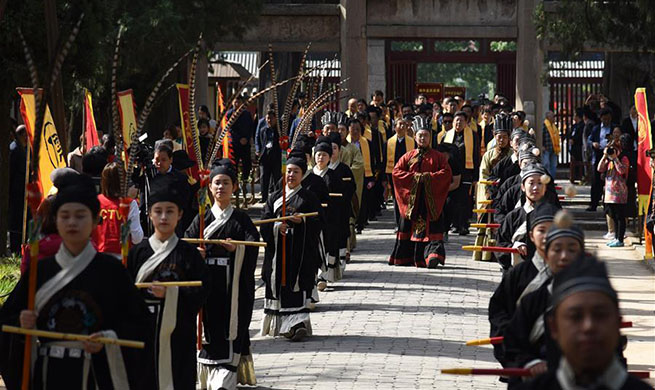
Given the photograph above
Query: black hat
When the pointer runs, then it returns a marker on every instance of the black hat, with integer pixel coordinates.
(584, 274)
(323, 147)
(563, 227)
(76, 189)
(166, 188)
(531, 170)
(342, 119)
(503, 123)
(529, 154)
(335, 138)
(299, 162)
(323, 138)
(60, 175)
(518, 132)
(543, 212)
(181, 160)
(223, 167)
(304, 143)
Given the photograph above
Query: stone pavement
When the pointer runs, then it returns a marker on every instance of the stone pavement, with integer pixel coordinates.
(395, 327)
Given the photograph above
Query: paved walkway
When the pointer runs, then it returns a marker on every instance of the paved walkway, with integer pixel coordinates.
(395, 327)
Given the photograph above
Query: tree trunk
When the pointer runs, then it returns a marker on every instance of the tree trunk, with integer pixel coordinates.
(624, 72)
(5, 128)
(57, 104)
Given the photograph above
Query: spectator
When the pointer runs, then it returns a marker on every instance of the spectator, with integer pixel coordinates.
(598, 139)
(75, 157)
(551, 144)
(107, 235)
(204, 136)
(630, 124)
(267, 148)
(575, 137)
(172, 134)
(627, 146)
(17, 158)
(242, 132)
(615, 165)
(203, 113)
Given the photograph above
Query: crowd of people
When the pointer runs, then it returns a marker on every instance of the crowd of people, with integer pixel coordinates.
(437, 163)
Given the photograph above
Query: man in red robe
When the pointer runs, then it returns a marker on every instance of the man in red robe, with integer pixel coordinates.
(421, 179)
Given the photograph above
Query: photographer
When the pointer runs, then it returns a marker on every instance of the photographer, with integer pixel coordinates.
(615, 165)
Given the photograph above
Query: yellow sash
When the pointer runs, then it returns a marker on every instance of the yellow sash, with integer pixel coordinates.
(554, 135)
(441, 134)
(468, 144)
(382, 130)
(391, 151)
(366, 155)
(368, 134)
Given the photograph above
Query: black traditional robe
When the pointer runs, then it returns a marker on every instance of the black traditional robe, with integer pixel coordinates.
(333, 216)
(101, 297)
(219, 348)
(504, 301)
(285, 306)
(512, 230)
(344, 205)
(184, 263)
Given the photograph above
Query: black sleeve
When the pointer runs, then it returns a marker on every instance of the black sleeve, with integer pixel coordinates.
(192, 298)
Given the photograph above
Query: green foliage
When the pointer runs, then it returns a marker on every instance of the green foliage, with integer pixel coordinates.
(9, 275)
(406, 46)
(157, 33)
(477, 78)
(470, 46)
(620, 24)
(499, 46)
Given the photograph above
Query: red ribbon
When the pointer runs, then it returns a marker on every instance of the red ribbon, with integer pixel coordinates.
(34, 196)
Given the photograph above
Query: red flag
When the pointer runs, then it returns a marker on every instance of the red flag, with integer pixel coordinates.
(645, 143)
(183, 97)
(90, 131)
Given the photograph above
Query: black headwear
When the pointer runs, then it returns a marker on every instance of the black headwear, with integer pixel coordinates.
(420, 123)
(518, 132)
(584, 274)
(342, 119)
(223, 167)
(304, 144)
(323, 138)
(299, 162)
(563, 227)
(181, 160)
(543, 212)
(166, 188)
(335, 138)
(503, 123)
(76, 189)
(531, 170)
(323, 147)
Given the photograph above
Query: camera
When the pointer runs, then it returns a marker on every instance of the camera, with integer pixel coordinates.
(650, 153)
(610, 151)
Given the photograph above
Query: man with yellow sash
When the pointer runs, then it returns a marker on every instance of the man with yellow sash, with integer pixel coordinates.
(375, 134)
(351, 156)
(468, 144)
(446, 124)
(551, 143)
(502, 127)
(397, 146)
(487, 127)
(355, 138)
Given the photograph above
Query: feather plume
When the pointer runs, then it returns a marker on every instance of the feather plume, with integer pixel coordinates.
(116, 126)
(563, 219)
(34, 77)
(305, 122)
(193, 125)
(271, 62)
(235, 116)
(292, 93)
(64, 48)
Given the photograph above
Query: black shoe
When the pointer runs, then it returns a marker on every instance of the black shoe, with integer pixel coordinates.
(358, 230)
(373, 218)
(299, 332)
(463, 232)
(590, 208)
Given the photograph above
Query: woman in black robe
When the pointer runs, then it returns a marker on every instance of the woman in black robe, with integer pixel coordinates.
(290, 277)
(78, 291)
(331, 272)
(164, 257)
(225, 358)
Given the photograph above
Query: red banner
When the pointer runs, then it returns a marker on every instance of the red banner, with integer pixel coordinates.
(90, 131)
(454, 91)
(183, 94)
(644, 142)
(432, 91)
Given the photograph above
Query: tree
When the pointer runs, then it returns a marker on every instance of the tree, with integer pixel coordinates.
(157, 33)
(625, 27)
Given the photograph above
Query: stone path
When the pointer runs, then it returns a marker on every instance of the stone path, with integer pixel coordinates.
(395, 327)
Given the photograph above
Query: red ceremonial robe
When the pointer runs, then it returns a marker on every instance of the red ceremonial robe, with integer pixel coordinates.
(420, 200)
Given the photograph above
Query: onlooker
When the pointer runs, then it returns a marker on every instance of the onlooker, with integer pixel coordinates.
(267, 148)
(75, 157)
(575, 137)
(17, 157)
(598, 139)
(551, 144)
(615, 165)
(630, 124)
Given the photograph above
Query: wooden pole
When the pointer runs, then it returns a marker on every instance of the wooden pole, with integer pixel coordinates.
(27, 180)
(72, 337)
(235, 242)
(190, 283)
(286, 218)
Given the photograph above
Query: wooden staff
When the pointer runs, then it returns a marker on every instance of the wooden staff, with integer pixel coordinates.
(485, 225)
(488, 182)
(190, 283)
(500, 339)
(498, 249)
(485, 211)
(286, 218)
(72, 337)
(486, 202)
(514, 372)
(215, 242)
(346, 179)
(336, 194)
(324, 205)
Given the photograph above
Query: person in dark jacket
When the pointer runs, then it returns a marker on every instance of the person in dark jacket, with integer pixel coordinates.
(576, 169)
(267, 148)
(242, 132)
(17, 156)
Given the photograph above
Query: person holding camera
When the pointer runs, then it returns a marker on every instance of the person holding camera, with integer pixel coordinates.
(615, 165)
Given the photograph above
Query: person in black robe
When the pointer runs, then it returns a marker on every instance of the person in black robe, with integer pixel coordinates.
(343, 204)
(513, 229)
(225, 358)
(166, 258)
(290, 275)
(509, 166)
(521, 279)
(525, 338)
(583, 321)
(331, 271)
(78, 291)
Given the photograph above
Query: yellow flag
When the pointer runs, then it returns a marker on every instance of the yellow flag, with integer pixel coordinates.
(128, 116)
(51, 154)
